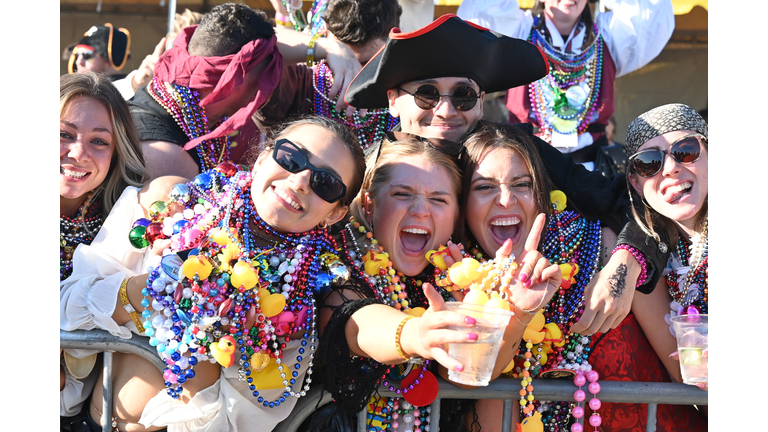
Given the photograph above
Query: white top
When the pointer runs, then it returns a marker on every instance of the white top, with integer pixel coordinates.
(125, 86)
(87, 301)
(635, 31)
(416, 14)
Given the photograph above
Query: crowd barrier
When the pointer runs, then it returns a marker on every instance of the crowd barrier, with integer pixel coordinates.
(651, 394)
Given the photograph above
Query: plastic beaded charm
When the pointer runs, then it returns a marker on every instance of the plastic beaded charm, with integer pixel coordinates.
(222, 298)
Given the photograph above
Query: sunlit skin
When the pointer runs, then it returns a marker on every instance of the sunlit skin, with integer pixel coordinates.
(415, 212)
(364, 52)
(86, 145)
(285, 200)
(679, 190)
(564, 14)
(96, 64)
(500, 203)
(443, 121)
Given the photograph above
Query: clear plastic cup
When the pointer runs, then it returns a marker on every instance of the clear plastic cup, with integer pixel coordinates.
(692, 333)
(478, 357)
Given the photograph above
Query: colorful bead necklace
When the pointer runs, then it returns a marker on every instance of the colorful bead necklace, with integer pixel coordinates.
(372, 265)
(369, 130)
(694, 255)
(565, 100)
(183, 104)
(316, 23)
(569, 239)
(204, 305)
(78, 230)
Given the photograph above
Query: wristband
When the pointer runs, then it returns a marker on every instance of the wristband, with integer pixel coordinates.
(282, 20)
(399, 331)
(311, 50)
(640, 259)
(127, 305)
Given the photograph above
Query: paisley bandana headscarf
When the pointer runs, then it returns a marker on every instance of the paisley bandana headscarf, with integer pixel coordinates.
(660, 120)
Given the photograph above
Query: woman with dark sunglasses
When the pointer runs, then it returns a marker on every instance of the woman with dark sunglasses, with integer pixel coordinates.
(506, 187)
(668, 163)
(408, 206)
(221, 273)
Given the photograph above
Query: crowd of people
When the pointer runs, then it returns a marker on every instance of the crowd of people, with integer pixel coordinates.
(277, 205)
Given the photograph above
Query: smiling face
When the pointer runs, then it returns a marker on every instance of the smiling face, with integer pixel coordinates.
(86, 145)
(444, 121)
(414, 212)
(286, 200)
(500, 203)
(679, 190)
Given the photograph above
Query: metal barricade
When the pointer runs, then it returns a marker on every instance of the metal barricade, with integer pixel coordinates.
(100, 340)
(648, 393)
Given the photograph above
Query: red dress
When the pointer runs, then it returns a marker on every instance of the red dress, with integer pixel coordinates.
(624, 354)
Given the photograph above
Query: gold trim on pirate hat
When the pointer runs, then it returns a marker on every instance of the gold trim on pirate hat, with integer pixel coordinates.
(112, 44)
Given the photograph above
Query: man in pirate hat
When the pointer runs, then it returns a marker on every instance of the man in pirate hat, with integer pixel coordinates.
(435, 80)
(103, 49)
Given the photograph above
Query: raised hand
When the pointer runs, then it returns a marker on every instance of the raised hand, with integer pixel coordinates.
(536, 280)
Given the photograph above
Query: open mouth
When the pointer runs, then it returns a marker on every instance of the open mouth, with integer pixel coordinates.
(74, 175)
(287, 199)
(414, 240)
(677, 192)
(505, 228)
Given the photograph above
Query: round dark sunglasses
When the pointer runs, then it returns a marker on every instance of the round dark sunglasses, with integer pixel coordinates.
(87, 55)
(685, 150)
(293, 159)
(427, 97)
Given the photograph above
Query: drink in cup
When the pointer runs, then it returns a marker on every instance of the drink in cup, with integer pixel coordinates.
(478, 357)
(692, 333)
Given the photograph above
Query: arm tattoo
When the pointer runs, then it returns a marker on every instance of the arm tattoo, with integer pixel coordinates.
(618, 281)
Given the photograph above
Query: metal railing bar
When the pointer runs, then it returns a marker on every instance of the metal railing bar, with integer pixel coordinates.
(100, 340)
(651, 422)
(107, 403)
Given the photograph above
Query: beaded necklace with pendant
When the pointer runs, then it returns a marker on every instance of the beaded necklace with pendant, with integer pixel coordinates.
(204, 306)
(78, 230)
(183, 104)
(566, 99)
(368, 130)
(695, 256)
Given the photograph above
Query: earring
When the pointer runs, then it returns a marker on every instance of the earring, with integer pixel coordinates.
(323, 225)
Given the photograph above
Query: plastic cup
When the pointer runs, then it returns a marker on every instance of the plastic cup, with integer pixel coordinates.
(692, 333)
(478, 357)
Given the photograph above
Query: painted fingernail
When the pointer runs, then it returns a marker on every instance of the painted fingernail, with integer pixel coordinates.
(673, 354)
(469, 320)
(527, 283)
(472, 336)
(459, 368)
(523, 277)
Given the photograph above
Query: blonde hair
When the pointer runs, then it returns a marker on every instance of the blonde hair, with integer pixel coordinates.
(127, 167)
(379, 170)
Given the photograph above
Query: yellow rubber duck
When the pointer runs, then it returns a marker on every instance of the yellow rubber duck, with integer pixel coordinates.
(531, 424)
(224, 351)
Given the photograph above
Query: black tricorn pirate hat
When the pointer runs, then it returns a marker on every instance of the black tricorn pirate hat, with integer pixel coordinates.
(448, 47)
(111, 43)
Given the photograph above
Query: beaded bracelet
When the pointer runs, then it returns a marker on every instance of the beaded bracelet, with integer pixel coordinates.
(640, 259)
(127, 305)
(282, 20)
(311, 50)
(399, 331)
